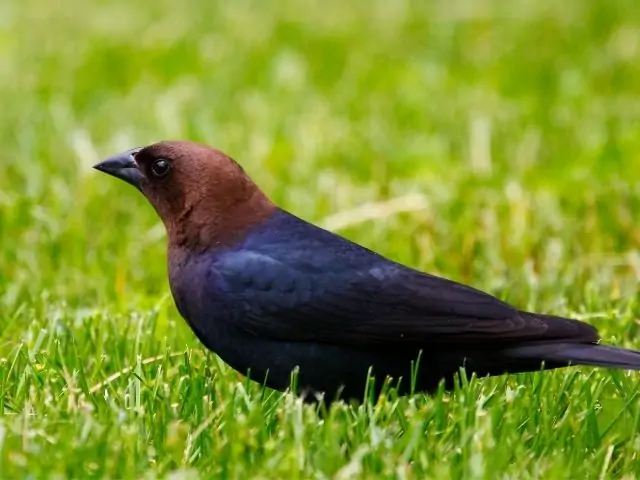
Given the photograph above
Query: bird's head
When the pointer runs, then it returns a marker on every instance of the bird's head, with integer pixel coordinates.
(202, 195)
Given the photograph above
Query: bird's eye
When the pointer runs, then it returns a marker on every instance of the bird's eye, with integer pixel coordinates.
(161, 167)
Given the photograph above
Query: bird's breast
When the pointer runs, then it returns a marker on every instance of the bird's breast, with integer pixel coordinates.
(200, 298)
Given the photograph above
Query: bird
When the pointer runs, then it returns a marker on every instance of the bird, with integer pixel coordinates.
(274, 295)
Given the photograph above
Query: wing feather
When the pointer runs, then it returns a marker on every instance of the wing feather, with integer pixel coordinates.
(375, 303)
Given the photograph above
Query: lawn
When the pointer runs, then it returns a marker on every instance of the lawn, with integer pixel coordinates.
(496, 143)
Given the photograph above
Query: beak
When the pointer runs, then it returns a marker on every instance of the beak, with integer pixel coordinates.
(123, 166)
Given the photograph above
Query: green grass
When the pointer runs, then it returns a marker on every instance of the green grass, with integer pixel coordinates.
(517, 122)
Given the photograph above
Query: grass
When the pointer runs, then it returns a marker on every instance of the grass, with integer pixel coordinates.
(513, 127)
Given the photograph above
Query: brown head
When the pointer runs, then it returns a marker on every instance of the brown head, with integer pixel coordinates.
(203, 196)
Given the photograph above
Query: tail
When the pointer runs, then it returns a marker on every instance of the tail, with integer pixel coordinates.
(578, 354)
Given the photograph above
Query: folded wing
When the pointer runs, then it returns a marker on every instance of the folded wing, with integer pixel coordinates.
(374, 302)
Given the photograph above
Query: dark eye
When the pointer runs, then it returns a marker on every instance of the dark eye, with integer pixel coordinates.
(160, 167)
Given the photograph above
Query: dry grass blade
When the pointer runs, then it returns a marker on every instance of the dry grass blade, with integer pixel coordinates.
(376, 211)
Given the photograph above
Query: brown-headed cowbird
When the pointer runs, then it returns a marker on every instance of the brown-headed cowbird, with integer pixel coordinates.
(269, 292)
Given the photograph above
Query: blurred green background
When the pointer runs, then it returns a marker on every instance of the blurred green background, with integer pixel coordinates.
(512, 126)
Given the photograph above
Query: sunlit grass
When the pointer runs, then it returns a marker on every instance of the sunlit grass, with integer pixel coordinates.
(492, 142)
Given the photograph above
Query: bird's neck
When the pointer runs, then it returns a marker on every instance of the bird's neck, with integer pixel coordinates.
(204, 226)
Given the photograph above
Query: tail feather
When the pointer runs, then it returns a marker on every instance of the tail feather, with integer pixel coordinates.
(579, 354)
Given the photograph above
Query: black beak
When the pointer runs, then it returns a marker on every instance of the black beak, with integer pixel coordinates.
(123, 166)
